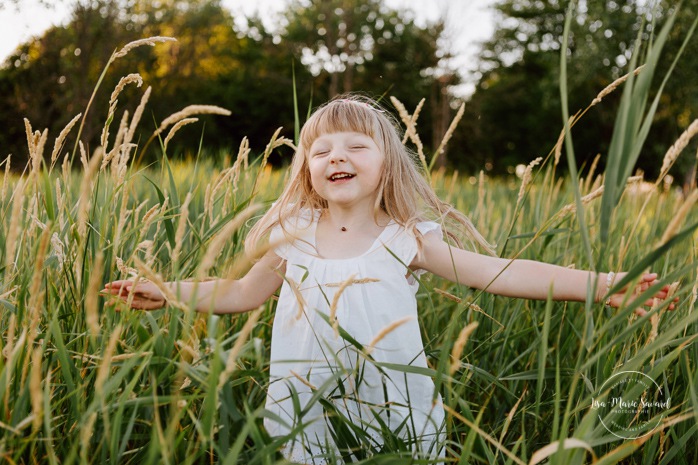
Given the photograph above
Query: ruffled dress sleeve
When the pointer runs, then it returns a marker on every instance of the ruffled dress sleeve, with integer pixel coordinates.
(285, 238)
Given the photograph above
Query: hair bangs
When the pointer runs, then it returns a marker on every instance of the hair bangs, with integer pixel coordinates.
(341, 115)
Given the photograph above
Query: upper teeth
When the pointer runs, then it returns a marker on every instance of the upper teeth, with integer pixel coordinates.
(341, 175)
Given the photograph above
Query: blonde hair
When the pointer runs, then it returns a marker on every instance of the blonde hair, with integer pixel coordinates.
(404, 194)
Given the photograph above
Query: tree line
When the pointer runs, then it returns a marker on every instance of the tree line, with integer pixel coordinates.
(319, 49)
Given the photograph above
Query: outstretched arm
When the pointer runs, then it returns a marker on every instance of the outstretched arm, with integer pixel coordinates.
(218, 296)
(526, 279)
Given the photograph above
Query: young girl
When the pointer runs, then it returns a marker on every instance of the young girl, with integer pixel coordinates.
(355, 227)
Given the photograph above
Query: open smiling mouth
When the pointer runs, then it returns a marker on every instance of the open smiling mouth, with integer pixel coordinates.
(341, 177)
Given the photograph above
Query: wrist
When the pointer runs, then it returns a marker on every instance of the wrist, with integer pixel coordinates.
(606, 282)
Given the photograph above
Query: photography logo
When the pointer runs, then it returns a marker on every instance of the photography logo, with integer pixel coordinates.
(634, 406)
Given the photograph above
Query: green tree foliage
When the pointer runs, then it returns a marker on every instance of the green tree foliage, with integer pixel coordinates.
(514, 114)
(337, 46)
(361, 45)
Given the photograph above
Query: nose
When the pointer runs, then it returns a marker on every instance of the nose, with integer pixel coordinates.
(337, 155)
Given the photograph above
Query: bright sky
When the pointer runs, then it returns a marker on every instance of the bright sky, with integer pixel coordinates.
(468, 22)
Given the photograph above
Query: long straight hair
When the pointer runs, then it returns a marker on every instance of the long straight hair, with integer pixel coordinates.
(404, 194)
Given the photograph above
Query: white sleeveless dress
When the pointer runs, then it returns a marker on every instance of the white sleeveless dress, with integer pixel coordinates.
(320, 371)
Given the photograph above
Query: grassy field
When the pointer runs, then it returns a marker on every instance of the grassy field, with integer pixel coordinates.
(82, 382)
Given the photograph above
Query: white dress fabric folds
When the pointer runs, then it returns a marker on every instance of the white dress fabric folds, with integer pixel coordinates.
(331, 395)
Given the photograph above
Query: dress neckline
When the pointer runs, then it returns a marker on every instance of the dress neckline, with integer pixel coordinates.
(376, 243)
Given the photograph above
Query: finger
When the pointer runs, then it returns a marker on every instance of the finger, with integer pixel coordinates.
(640, 312)
(648, 277)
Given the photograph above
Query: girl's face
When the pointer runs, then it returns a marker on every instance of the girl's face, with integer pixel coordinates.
(345, 168)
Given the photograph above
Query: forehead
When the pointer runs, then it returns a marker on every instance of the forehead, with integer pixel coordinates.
(341, 137)
(341, 117)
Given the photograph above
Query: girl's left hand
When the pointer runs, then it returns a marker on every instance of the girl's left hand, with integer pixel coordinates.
(647, 280)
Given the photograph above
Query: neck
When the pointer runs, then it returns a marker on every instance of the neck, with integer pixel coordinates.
(354, 218)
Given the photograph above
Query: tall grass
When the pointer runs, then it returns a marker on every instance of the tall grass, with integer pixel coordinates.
(84, 380)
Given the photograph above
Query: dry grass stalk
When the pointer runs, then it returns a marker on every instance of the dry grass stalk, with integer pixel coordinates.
(58, 144)
(92, 296)
(459, 345)
(448, 295)
(527, 177)
(86, 191)
(181, 227)
(676, 149)
(560, 140)
(122, 164)
(295, 288)
(123, 216)
(137, 115)
(612, 86)
(449, 132)
(385, 331)
(481, 191)
(335, 302)
(30, 136)
(410, 121)
(410, 130)
(105, 367)
(35, 292)
(123, 82)
(275, 142)
(83, 157)
(36, 295)
(415, 116)
(304, 381)
(241, 162)
(10, 338)
(35, 392)
(118, 141)
(148, 217)
(592, 170)
(5, 178)
(189, 111)
(572, 207)
(245, 332)
(138, 43)
(176, 128)
(86, 431)
(58, 249)
(223, 237)
(679, 216)
(36, 141)
(354, 281)
(13, 230)
(14, 347)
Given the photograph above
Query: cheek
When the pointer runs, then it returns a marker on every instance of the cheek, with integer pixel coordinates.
(314, 173)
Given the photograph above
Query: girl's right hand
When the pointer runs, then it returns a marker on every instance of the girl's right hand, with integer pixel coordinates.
(146, 296)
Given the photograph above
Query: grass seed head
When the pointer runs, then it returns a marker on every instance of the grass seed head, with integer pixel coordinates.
(675, 150)
(612, 86)
(527, 178)
(58, 144)
(679, 216)
(176, 128)
(189, 111)
(137, 116)
(123, 82)
(385, 331)
(152, 41)
(459, 345)
(35, 392)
